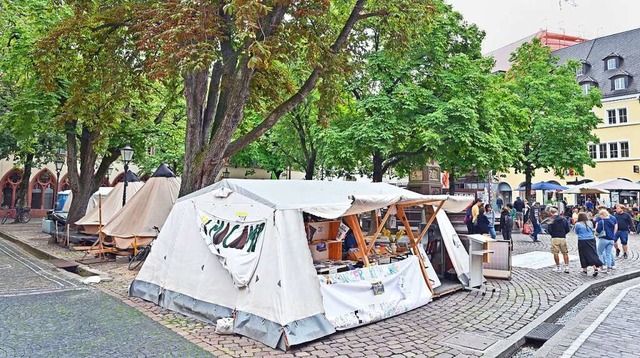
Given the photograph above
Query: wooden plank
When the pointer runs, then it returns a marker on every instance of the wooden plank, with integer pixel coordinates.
(414, 246)
(352, 222)
(81, 248)
(380, 226)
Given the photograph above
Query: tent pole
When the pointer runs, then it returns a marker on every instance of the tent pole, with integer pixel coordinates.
(414, 246)
(380, 226)
(352, 222)
(426, 227)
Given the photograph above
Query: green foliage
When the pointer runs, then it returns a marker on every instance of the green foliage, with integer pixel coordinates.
(558, 121)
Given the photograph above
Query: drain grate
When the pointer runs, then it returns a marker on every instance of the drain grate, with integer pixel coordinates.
(544, 332)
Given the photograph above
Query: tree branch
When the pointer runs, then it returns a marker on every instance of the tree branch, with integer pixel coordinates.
(399, 156)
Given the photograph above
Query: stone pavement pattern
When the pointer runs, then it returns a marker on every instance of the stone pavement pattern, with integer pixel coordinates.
(608, 327)
(421, 332)
(46, 313)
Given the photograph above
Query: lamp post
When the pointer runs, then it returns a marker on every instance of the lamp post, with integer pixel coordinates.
(59, 163)
(225, 173)
(126, 153)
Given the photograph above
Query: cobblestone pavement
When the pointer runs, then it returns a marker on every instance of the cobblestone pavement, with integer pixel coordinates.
(608, 327)
(46, 313)
(422, 332)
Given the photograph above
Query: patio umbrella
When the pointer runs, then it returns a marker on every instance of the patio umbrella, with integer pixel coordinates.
(616, 184)
(585, 189)
(544, 186)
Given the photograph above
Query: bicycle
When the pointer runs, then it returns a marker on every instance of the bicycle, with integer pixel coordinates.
(138, 258)
(19, 214)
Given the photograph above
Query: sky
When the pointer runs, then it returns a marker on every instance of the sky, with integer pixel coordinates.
(506, 21)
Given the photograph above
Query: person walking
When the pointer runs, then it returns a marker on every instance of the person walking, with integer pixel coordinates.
(587, 244)
(506, 222)
(468, 218)
(558, 229)
(482, 224)
(533, 215)
(606, 227)
(519, 206)
(476, 210)
(625, 223)
(491, 217)
(499, 202)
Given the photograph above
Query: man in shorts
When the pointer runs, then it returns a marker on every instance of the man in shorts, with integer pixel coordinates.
(558, 229)
(625, 223)
(519, 206)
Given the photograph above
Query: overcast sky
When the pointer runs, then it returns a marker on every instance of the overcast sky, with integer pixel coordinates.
(506, 21)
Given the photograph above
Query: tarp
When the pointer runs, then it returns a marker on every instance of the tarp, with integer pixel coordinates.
(110, 206)
(585, 189)
(457, 253)
(277, 296)
(147, 210)
(328, 199)
(616, 184)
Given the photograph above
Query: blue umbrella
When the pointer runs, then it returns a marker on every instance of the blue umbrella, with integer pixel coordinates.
(544, 186)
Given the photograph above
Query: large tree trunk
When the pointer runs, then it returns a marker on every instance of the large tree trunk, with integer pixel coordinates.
(378, 172)
(310, 169)
(216, 100)
(82, 180)
(452, 183)
(528, 174)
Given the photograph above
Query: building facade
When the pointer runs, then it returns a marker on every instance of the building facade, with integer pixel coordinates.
(612, 64)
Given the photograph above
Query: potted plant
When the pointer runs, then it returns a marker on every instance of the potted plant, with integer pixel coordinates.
(393, 239)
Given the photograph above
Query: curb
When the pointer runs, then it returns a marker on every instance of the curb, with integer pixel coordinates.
(83, 270)
(505, 348)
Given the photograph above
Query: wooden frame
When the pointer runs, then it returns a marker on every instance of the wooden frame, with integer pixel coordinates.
(414, 241)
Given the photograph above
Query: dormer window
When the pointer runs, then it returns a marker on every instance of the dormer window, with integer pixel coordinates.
(612, 61)
(586, 87)
(583, 68)
(620, 83)
(586, 84)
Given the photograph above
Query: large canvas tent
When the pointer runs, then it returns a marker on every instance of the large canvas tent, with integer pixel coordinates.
(110, 206)
(239, 248)
(135, 224)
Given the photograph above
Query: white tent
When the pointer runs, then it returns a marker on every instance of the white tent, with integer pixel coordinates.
(93, 201)
(110, 206)
(136, 223)
(239, 248)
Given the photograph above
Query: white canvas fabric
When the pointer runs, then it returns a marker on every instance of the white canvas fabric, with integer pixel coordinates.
(110, 206)
(457, 253)
(284, 288)
(148, 208)
(103, 192)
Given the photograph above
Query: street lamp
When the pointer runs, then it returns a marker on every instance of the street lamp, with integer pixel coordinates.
(126, 153)
(59, 163)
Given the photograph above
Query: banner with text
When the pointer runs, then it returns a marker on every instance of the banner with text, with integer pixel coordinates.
(237, 243)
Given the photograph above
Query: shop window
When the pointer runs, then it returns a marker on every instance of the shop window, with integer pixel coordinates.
(9, 186)
(42, 190)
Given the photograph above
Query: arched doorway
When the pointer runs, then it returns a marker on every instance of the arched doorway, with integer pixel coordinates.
(41, 191)
(505, 192)
(9, 185)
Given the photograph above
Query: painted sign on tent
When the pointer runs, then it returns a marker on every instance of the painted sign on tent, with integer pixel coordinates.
(236, 243)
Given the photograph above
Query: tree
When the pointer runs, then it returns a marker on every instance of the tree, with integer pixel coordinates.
(26, 110)
(108, 101)
(428, 99)
(229, 54)
(558, 122)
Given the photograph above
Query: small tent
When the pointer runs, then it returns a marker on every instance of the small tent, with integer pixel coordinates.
(102, 191)
(136, 223)
(240, 248)
(110, 206)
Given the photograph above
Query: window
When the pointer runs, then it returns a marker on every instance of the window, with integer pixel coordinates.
(622, 115)
(585, 88)
(603, 151)
(620, 83)
(613, 150)
(580, 70)
(151, 151)
(624, 149)
(611, 114)
(612, 64)
(592, 151)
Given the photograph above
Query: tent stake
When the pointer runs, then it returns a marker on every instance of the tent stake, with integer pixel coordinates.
(414, 245)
